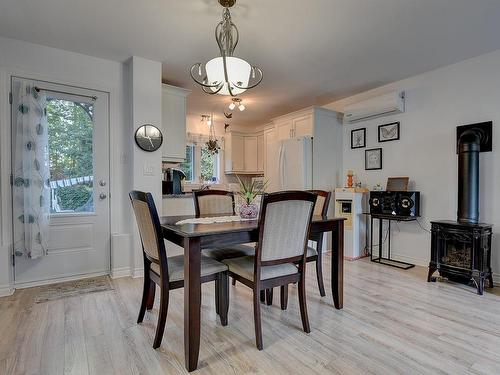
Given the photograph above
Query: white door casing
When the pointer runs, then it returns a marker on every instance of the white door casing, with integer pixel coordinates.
(79, 243)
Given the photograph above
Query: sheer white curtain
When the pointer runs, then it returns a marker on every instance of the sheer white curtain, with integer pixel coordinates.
(30, 169)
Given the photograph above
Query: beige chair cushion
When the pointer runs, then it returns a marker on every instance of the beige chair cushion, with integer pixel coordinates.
(244, 267)
(209, 266)
(311, 251)
(235, 251)
(215, 204)
(285, 229)
(146, 228)
(318, 208)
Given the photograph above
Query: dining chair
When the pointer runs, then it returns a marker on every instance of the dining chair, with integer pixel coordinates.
(313, 254)
(280, 257)
(219, 202)
(168, 272)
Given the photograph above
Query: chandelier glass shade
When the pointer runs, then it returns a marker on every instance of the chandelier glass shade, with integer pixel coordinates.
(226, 74)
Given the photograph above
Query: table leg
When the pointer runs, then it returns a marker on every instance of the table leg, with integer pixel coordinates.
(338, 265)
(192, 302)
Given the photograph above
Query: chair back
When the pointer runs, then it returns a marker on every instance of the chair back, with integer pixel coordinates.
(150, 231)
(213, 202)
(322, 202)
(284, 223)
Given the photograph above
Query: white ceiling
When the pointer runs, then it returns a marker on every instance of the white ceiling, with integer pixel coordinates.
(311, 51)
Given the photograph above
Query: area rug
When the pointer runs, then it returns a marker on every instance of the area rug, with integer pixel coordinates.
(73, 288)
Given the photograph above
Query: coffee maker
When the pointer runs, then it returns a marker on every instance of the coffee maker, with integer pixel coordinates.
(172, 183)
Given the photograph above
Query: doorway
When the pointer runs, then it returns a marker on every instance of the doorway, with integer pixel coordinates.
(78, 241)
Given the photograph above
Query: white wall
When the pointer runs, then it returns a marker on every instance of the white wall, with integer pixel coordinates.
(55, 65)
(436, 103)
(144, 87)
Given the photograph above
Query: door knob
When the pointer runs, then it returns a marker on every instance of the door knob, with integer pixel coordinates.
(102, 183)
(102, 196)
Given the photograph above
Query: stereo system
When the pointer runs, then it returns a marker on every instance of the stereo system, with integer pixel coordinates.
(396, 203)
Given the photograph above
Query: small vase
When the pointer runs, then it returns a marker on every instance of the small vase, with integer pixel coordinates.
(249, 211)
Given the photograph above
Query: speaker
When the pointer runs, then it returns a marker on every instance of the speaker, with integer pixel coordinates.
(376, 202)
(397, 203)
(408, 203)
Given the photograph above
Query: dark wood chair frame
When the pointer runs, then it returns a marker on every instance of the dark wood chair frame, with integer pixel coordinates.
(151, 278)
(202, 193)
(258, 285)
(318, 238)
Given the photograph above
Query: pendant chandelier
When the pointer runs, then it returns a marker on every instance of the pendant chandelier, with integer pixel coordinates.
(226, 75)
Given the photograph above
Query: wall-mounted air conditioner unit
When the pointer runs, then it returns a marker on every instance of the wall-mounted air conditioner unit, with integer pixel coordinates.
(379, 106)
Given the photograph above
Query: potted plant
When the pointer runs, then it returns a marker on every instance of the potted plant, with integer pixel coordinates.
(248, 192)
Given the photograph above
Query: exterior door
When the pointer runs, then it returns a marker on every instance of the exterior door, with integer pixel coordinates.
(79, 229)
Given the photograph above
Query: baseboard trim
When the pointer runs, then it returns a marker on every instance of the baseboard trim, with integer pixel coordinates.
(120, 272)
(138, 272)
(61, 279)
(6, 291)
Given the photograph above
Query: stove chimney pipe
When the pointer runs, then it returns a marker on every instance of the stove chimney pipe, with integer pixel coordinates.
(469, 146)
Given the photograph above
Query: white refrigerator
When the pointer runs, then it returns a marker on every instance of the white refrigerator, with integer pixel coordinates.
(291, 164)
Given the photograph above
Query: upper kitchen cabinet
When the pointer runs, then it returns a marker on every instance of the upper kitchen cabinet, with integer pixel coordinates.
(174, 123)
(296, 124)
(244, 153)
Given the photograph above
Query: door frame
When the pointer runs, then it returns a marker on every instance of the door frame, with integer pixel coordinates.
(6, 216)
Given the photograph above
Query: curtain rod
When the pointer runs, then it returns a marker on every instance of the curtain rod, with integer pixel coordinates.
(93, 97)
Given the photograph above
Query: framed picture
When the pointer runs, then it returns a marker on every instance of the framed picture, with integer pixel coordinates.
(388, 132)
(373, 159)
(358, 138)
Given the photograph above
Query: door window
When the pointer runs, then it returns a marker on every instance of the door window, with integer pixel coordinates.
(71, 127)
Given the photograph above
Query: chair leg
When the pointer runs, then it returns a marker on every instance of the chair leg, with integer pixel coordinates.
(284, 297)
(145, 294)
(319, 276)
(262, 296)
(151, 296)
(162, 317)
(217, 295)
(223, 293)
(303, 304)
(269, 297)
(257, 322)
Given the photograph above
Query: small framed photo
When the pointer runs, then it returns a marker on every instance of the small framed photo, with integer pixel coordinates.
(358, 138)
(373, 159)
(388, 132)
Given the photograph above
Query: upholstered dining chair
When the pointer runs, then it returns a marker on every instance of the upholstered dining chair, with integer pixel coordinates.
(219, 202)
(313, 254)
(280, 257)
(168, 272)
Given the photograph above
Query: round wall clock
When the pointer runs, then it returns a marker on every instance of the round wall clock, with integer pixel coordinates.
(148, 137)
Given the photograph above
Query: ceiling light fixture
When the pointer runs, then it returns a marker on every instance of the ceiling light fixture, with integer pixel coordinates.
(226, 75)
(236, 102)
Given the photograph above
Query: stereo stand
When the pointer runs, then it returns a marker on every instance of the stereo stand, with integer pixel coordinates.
(381, 259)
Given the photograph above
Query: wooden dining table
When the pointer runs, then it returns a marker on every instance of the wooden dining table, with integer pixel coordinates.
(195, 237)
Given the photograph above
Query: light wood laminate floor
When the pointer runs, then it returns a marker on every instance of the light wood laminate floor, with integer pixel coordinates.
(393, 322)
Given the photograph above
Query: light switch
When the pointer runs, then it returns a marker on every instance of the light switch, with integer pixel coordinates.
(148, 169)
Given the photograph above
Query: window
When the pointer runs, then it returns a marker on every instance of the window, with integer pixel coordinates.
(70, 128)
(200, 165)
(188, 166)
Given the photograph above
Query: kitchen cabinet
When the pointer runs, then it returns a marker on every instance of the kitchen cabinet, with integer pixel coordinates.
(294, 125)
(269, 138)
(260, 152)
(250, 153)
(173, 123)
(241, 154)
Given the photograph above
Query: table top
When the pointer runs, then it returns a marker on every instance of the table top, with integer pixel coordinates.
(199, 230)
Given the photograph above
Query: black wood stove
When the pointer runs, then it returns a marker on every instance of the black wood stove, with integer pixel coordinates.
(461, 250)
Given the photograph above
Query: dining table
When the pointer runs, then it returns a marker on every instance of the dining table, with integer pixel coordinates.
(194, 237)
